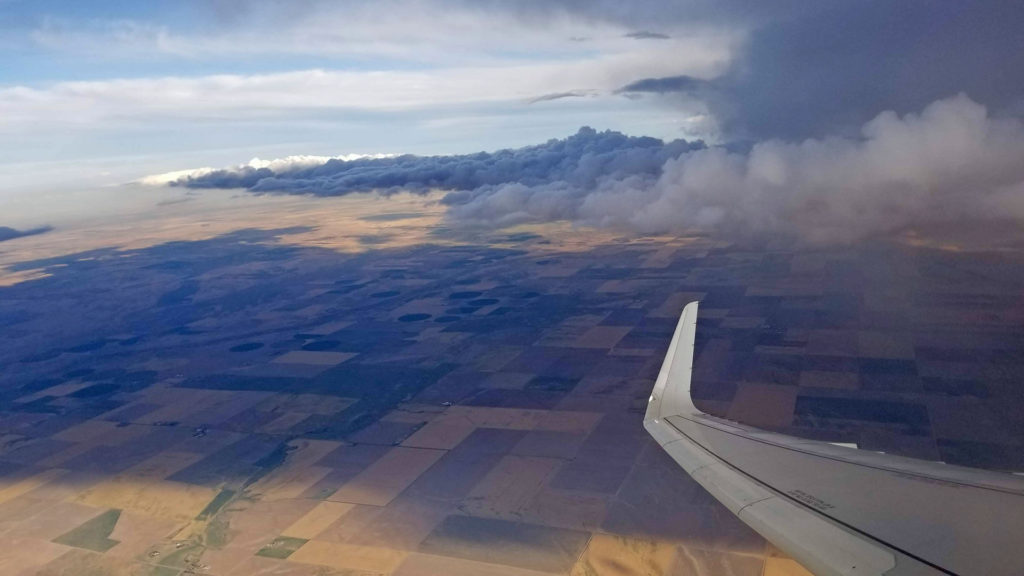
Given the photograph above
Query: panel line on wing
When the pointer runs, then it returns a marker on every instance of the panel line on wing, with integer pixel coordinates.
(804, 504)
(911, 473)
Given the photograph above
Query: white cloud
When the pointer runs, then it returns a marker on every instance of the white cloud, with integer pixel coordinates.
(384, 55)
(277, 165)
(281, 95)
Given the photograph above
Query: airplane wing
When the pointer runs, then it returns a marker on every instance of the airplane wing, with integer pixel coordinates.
(839, 510)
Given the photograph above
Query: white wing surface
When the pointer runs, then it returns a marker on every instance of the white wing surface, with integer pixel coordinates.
(839, 510)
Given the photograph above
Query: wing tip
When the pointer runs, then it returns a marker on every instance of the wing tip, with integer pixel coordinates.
(671, 393)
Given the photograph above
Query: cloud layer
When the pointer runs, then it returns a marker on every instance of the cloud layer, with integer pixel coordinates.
(950, 162)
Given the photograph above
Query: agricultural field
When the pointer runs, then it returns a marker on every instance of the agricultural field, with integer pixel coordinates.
(294, 400)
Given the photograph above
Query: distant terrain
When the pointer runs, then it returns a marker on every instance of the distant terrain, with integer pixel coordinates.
(7, 233)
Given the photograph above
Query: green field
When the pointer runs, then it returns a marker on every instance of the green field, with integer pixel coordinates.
(94, 534)
(282, 547)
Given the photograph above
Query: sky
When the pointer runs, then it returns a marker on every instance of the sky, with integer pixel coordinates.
(165, 84)
(99, 93)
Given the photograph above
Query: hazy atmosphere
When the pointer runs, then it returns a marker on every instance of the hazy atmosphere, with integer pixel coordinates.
(397, 287)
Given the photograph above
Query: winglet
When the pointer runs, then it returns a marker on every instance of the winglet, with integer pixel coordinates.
(839, 512)
(671, 394)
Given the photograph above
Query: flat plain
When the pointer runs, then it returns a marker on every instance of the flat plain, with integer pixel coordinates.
(266, 400)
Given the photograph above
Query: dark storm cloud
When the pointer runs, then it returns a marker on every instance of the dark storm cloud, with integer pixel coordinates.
(840, 67)
(579, 162)
(830, 67)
